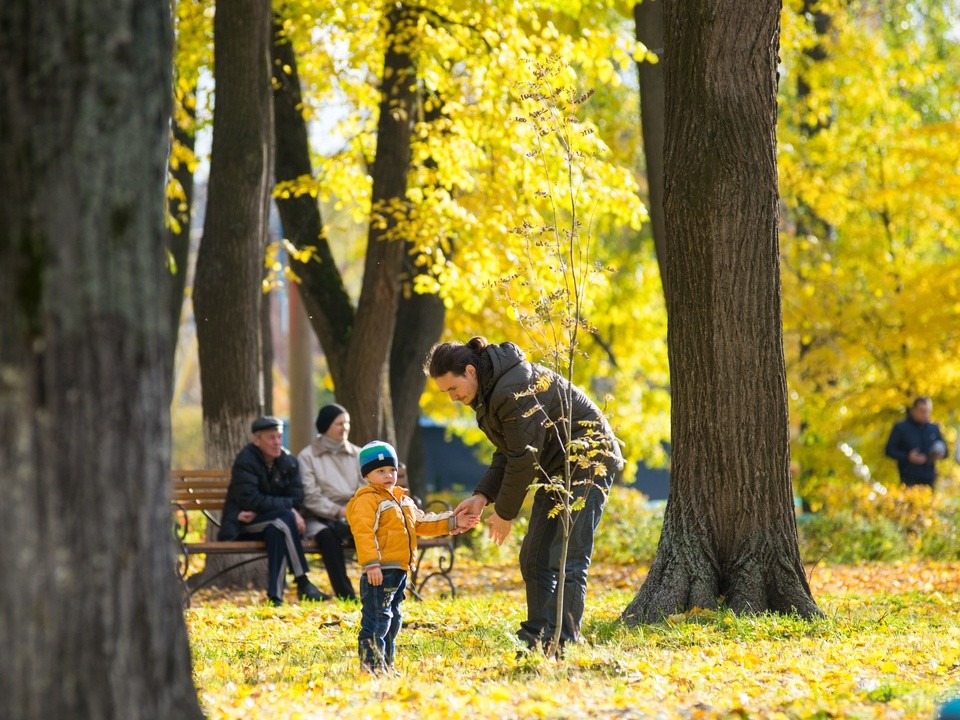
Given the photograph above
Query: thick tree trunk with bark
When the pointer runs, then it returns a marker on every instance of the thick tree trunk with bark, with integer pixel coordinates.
(227, 294)
(729, 532)
(90, 618)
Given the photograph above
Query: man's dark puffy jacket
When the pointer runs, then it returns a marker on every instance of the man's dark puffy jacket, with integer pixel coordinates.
(909, 435)
(529, 440)
(254, 487)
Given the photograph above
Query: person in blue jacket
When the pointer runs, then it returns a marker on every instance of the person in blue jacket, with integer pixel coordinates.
(916, 444)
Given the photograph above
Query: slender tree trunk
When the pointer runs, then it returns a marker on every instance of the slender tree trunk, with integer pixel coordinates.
(420, 321)
(181, 210)
(321, 287)
(729, 530)
(90, 620)
(266, 352)
(648, 18)
(302, 406)
(808, 223)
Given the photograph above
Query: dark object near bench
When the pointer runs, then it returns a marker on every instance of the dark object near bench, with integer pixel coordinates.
(203, 491)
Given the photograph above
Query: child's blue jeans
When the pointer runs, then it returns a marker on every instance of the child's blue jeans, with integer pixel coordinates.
(380, 618)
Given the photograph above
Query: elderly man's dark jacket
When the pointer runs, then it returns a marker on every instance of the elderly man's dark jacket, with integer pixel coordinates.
(527, 428)
(255, 487)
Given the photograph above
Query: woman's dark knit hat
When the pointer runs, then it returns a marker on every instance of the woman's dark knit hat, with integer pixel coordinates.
(326, 416)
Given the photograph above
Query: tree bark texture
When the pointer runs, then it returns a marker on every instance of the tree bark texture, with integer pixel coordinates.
(729, 532)
(648, 19)
(90, 617)
(227, 287)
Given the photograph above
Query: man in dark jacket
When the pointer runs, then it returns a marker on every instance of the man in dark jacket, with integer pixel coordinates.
(262, 500)
(916, 444)
(534, 418)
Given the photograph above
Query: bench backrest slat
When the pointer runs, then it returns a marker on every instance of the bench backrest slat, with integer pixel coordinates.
(199, 489)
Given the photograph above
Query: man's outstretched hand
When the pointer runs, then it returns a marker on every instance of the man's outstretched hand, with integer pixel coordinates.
(468, 513)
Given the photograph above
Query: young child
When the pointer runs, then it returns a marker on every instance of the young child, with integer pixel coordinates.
(385, 523)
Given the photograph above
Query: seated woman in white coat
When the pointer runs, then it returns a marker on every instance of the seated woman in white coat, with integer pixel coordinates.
(330, 473)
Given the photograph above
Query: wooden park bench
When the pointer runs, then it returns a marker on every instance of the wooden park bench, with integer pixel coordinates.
(197, 494)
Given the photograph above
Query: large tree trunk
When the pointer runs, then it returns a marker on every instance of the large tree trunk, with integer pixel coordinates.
(227, 295)
(227, 292)
(90, 619)
(648, 20)
(729, 530)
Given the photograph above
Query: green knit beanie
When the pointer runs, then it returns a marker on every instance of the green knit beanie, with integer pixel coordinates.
(377, 454)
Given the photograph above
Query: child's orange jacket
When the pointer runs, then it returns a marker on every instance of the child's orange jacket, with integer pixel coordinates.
(385, 525)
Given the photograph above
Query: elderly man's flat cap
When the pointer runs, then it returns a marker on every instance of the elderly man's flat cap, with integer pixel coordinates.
(267, 422)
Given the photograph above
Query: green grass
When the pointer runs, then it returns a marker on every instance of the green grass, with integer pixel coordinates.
(876, 653)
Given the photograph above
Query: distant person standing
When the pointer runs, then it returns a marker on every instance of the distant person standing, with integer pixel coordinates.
(916, 444)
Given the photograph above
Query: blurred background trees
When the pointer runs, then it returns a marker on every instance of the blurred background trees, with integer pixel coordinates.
(868, 184)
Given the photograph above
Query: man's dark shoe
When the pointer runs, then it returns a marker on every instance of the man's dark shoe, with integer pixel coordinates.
(306, 590)
(275, 602)
(550, 650)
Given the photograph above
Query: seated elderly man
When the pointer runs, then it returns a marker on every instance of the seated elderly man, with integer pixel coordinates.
(262, 504)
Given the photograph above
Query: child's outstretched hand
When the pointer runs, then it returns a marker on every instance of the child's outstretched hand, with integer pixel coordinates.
(375, 575)
(466, 521)
(468, 513)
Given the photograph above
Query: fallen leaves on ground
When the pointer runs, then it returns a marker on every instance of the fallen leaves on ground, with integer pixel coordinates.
(888, 647)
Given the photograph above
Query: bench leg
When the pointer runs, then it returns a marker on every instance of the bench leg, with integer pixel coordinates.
(183, 558)
(192, 587)
(446, 553)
